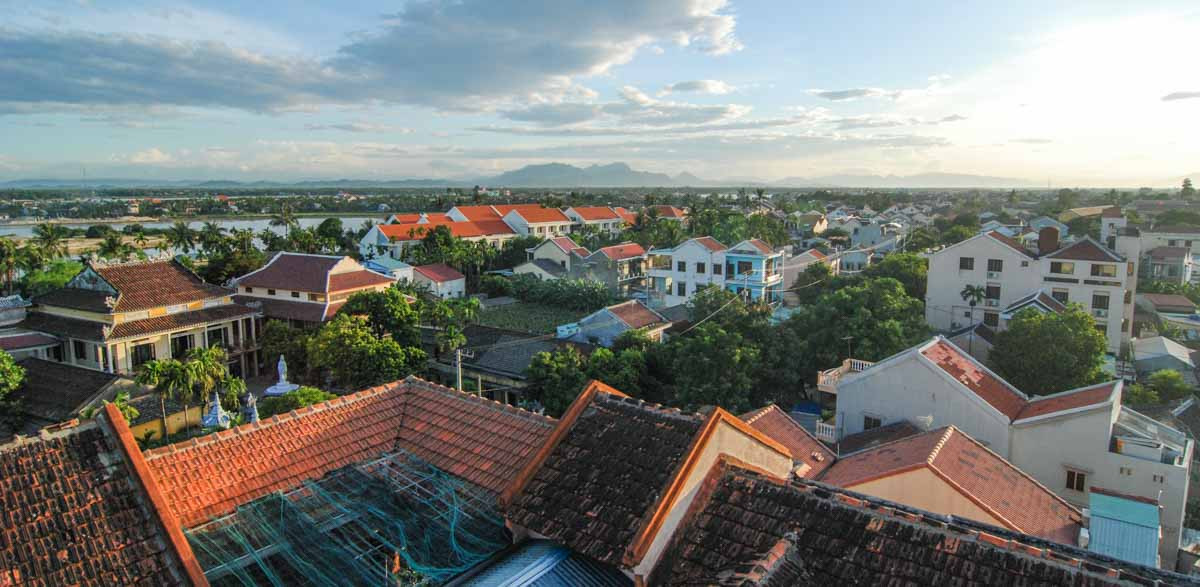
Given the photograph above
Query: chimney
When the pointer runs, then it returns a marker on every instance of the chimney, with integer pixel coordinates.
(1047, 240)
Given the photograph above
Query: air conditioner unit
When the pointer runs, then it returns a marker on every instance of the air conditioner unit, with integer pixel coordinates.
(993, 275)
(991, 303)
(1100, 313)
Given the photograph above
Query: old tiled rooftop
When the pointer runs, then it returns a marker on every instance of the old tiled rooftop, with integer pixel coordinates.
(982, 476)
(178, 320)
(147, 284)
(623, 251)
(877, 436)
(439, 272)
(292, 271)
(54, 392)
(636, 315)
(1086, 249)
(805, 448)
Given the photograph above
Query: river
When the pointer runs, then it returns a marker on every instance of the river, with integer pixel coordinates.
(258, 224)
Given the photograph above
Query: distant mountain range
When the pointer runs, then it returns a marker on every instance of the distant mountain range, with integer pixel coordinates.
(561, 175)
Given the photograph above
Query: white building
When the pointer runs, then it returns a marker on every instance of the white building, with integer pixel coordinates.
(393, 241)
(603, 218)
(676, 274)
(1083, 272)
(523, 218)
(1071, 441)
(443, 280)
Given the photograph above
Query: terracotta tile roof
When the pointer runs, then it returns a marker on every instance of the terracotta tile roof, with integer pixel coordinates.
(665, 211)
(55, 392)
(1175, 302)
(1085, 249)
(710, 243)
(533, 213)
(763, 247)
(877, 436)
(87, 300)
(357, 280)
(286, 309)
(605, 475)
(636, 315)
(26, 341)
(177, 321)
(581, 251)
(479, 212)
(473, 438)
(626, 215)
(746, 528)
(565, 244)
(974, 377)
(815, 253)
(468, 229)
(147, 284)
(596, 213)
(622, 251)
(74, 514)
(63, 326)
(414, 217)
(1112, 212)
(1170, 253)
(292, 271)
(439, 272)
(981, 475)
(1012, 243)
(1069, 400)
(805, 447)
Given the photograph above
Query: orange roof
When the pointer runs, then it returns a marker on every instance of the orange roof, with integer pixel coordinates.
(665, 211)
(816, 253)
(710, 243)
(565, 244)
(1085, 250)
(596, 212)
(1013, 244)
(147, 284)
(966, 371)
(534, 213)
(479, 212)
(979, 474)
(636, 315)
(1112, 212)
(626, 215)
(805, 447)
(439, 272)
(1069, 400)
(468, 229)
(623, 251)
(478, 440)
(357, 279)
(414, 217)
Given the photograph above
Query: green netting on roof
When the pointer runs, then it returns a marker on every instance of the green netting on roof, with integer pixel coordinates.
(395, 520)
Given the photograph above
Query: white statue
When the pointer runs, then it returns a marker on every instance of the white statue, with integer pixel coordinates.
(283, 386)
(282, 369)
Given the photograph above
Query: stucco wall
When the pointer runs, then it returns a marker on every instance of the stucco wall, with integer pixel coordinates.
(922, 488)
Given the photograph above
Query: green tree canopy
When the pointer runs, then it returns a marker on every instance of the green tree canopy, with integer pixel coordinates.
(350, 352)
(1168, 384)
(292, 400)
(907, 268)
(712, 366)
(1043, 353)
(957, 234)
(12, 375)
(389, 313)
(558, 378)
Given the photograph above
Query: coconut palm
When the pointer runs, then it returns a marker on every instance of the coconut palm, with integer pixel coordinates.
(972, 294)
(10, 260)
(285, 218)
(31, 258)
(181, 238)
(212, 236)
(139, 239)
(168, 378)
(243, 240)
(52, 239)
(207, 368)
(114, 247)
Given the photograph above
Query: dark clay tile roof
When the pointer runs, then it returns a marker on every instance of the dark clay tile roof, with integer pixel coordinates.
(1085, 249)
(1164, 302)
(63, 326)
(805, 447)
(180, 320)
(604, 476)
(73, 513)
(981, 475)
(876, 436)
(148, 284)
(27, 340)
(80, 299)
(56, 391)
(285, 309)
(745, 528)
(1038, 297)
(292, 271)
(1011, 243)
(473, 438)
(550, 267)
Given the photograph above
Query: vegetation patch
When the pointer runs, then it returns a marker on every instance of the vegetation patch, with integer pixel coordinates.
(528, 317)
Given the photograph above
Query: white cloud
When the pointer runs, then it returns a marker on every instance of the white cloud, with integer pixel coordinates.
(702, 86)
(1180, 96)
(151, 156)
(359, 127)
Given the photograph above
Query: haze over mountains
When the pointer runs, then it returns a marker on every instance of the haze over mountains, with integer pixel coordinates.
(561, 175)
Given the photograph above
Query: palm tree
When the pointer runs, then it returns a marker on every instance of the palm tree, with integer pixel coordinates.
(211, 236)
(972, 294)
(140, 239)
(31, 258)
(181, 238)
(243, 240)
(52, 239)
(206, 366)
(114, 247)
(285, 218)
(169, 378)
(10, 259)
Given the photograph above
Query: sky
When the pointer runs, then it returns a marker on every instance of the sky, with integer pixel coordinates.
(1055, 92)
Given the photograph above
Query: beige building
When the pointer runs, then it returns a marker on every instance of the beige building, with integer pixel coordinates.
(307, 290)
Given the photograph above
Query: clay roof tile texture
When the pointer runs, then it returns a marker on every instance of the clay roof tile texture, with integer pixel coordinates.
(805, 447)
(596, 213)
(623, 251)
(636, 315)
(987, 386)
(357, 280)
(293, 271)
(710, 243)
(439, 272)
(148, 284)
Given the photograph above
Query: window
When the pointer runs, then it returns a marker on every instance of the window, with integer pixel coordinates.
(1159, 479)
(745, 267)
(295, 294)
(716, 268)
(80, 350)
(1062, 268)
(1060, 294)
(729, 270)
(700, 267)
(216, 337)
(1104, 270)
(142, 353)
(681, 266)
(1100, 301)
(681, 288)
(312, 297)
(1076, 480)
(870, 422)
(270, 292)
(180, 346)
(991, 319)
(995, 265)
(1024, 263)
(249, 290)
(992, 292)
(966, 263)
(1126, 471)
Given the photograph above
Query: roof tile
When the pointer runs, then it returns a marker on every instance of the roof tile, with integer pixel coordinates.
(805, 447)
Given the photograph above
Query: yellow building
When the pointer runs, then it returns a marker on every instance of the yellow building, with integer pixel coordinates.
(114, 317)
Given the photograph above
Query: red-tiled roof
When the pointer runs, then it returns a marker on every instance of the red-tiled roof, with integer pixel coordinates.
(983, 383)
(26, 341)
(761, 246)
(581, 251)
(626, 215)
(473, 438)
(357, 279)
(179, 320)
(415, 217)
(1177, 301)
(479, 212)
(1085, 250)
(1112, 212)
(534, 213)
(877, 436)
(284, 309)
(1012, 243)
(710, 243)
(565, 244)
(981, 475)
(816, 254)
(468, 229)
(439, 272)
(148, 284)
(1068, 400)
(292, 271)
(623, 251)
(596, 212)
(805, 447)
(665, 211)
(636, 315)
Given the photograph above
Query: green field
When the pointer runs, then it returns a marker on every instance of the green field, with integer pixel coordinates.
(528, 317)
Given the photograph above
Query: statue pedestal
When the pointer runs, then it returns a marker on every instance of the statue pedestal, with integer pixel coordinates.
(280, 389)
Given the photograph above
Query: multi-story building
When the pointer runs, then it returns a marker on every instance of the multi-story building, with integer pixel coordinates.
(525, 219)
(442, 280)
(603, 218)
(388, 245)
(1071, 442)
(676, 274)
(1083, 272)
(621, 267)
(1170, 264)
(1177, 239)
(756, 269)
(306, 290)
(114, 317)
(552, 258)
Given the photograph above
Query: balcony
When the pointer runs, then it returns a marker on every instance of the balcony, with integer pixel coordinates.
(826, 432)
(827, 380)
(1142, 437)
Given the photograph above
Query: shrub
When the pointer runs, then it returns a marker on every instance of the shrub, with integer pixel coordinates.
(292, 400)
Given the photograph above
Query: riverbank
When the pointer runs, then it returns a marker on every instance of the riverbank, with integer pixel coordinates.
(81, 246)
(172, 219)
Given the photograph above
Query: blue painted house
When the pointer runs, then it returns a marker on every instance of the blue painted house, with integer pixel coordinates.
(753, 266)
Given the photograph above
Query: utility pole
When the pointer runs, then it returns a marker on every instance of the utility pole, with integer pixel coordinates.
(458, 357)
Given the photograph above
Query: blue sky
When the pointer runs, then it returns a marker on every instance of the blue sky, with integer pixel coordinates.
(1073, 93)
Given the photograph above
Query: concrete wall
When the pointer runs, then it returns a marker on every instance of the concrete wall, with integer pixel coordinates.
(944, 306)
(924, 489)
(175, 423)
(690, 253)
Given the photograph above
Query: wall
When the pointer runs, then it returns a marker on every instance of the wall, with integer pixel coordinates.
(910, 389)
(549, 250)
(692, 253)
(1081, 293)
(175, 423)
(924, 489)
(944, 306)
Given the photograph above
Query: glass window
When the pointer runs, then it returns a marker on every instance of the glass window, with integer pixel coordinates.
(716, 268)
(249, 290)
(270, 292)
(80, 349)
(991, 319)
(1100, 301)
(966, 263)
(216, 337)
(996, 265)
(681, 288)
(992, 292)
(180, 346)
(700, 267)
(745, 267)
(295, 294)
(1105, 270)
(142, 353)
(870, 422)
(1062, 268)
(681, 266)
(1076, 480)
(1060, 294)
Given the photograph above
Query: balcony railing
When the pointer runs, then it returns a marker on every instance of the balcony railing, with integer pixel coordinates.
(827, 380)
(826, 432)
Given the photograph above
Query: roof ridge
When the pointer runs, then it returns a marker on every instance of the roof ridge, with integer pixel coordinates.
(937, 448)
(515, 410)
(1038, 398)
(759, 413)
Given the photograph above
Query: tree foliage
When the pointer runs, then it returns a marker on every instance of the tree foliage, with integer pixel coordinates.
(909, 269)
(1043, 353)
(292, 400)
(388, 312)
(1168, 384)
(348, 350)
(12, 375)
(584, 295)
